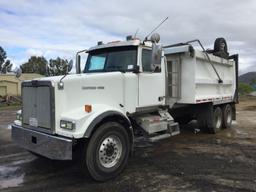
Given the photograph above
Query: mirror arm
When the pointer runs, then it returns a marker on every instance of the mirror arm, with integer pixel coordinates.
(78, 64)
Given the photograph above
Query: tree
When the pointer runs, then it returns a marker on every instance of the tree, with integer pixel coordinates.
(35, 64)
(5, 65)
(253, 83)
(58, 66)
(244, 88)
(2, 56)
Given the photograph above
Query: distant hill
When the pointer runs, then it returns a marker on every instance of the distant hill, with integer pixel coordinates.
(247, 77)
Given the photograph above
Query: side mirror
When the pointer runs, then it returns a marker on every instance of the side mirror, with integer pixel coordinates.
(18, 72)
(136, 69)
(70, 65)
(156, 54)
(78, 64)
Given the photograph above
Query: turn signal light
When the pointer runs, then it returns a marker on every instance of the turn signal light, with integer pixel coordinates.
(88, 108)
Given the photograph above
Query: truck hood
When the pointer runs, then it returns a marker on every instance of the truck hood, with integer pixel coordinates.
(92, 89)
(82, 76)
(111, 91)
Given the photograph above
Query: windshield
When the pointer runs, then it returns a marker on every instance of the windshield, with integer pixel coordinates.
(112, 59)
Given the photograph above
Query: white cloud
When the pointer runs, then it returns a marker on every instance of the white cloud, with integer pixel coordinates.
(60, 28)
(34, 52)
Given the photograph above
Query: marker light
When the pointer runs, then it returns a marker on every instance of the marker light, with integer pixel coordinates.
(113, 42)
(88, 108)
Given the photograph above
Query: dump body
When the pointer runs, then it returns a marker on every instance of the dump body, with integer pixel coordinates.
(192, 78)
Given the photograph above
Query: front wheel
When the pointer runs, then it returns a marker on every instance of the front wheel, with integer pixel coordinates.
(107, 151)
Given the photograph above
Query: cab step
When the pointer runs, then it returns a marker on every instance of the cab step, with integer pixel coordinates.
(159, 137)
(172, 130)
(158, 127)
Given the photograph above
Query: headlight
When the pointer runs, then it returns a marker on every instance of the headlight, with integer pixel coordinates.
(19, 116)
(67, 124)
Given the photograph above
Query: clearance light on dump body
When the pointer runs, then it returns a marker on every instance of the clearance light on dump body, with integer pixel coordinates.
(88, 108)
(67, 125)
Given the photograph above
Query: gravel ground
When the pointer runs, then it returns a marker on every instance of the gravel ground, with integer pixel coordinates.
(187, 162)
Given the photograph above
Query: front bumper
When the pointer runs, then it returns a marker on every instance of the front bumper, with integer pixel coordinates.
(52, 147)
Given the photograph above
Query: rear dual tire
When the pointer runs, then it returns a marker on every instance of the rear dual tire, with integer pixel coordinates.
(227, 116)
(219, 118)
(216, 124)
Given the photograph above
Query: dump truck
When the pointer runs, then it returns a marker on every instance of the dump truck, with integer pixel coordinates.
(128, 91)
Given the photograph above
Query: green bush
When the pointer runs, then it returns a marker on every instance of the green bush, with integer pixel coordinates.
(244, 88)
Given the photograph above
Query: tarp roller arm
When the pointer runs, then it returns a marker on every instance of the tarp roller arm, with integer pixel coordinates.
(199, 42)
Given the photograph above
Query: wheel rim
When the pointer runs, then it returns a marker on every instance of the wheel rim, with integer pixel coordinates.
(110, 151)
(229, 115)
(218, 118)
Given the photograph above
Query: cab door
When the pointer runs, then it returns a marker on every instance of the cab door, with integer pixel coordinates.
(151, 81)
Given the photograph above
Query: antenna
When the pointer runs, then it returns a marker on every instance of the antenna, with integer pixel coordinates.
(136, 33)
(156, 28)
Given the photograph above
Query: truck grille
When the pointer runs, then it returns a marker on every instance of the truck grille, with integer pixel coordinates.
(38, 105)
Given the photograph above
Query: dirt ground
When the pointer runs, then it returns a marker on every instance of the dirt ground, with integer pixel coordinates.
(187, 162)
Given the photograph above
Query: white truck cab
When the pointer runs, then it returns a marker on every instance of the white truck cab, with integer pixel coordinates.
(127, 90)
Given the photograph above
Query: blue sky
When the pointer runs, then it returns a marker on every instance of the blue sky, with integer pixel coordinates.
(60, 27)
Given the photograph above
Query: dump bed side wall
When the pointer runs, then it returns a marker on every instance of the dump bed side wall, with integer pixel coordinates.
(206, 80)
(199, 82)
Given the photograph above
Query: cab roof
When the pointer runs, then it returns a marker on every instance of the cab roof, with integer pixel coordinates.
(135, 42)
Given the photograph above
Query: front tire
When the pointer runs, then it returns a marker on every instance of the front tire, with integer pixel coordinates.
(107, 151)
